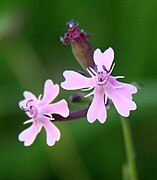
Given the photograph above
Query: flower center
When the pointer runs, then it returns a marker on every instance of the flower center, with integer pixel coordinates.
(30, 109)
(101, 76)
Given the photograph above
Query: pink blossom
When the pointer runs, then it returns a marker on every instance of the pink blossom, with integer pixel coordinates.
(104, 86)
(39, 111)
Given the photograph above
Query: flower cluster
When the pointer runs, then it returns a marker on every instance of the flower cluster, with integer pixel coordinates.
(101, 84)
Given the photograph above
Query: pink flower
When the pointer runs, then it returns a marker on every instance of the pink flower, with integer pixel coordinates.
(104, 85)
(40, 110)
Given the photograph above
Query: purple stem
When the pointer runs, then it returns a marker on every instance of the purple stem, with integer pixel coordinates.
(72, 116)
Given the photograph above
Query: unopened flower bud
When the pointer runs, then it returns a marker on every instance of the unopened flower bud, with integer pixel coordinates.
(75, 98)
(81, 47)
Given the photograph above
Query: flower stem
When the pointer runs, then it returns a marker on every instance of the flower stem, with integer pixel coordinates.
(131, 165)
(72, 115)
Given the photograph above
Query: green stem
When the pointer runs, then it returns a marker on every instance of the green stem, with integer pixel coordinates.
(132, 173)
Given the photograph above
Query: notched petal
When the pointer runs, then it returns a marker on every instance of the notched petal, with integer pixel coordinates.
(28, 135)
(74, 81)
(51, 91)
(121, 99)
(104, 59)
(28, 95)
(97, 109)
(60, 107)
(52, 132)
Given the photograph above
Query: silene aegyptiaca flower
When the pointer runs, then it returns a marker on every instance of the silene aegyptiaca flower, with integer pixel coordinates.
(104, 86)
(40, 111)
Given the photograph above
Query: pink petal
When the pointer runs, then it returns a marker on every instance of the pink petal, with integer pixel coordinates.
(23, 103)
(123, 89)
(105, 58)
(29, 135)
(74, 80)
(52, 132)
(122, 104)
(28, 96)
(50, 92)
(60, 107)
(97, 109)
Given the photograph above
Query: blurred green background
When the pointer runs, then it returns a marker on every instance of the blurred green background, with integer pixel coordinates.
(30, 52)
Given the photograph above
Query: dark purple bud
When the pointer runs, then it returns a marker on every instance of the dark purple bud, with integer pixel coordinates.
(75, 98)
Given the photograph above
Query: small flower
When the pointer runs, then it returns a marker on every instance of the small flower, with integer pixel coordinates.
(105, 86)
(81, 47)
(39, 111)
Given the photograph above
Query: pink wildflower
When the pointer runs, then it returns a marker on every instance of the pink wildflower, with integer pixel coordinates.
(105, 86)
(40, 110)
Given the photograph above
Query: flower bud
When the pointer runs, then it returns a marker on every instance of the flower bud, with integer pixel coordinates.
(75, 98)
(81, 47)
